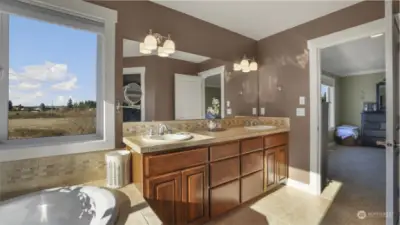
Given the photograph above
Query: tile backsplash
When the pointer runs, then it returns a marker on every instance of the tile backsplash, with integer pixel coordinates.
(28, 175)
(139, 128)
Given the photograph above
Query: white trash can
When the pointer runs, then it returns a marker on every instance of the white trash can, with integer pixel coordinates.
(118, 168)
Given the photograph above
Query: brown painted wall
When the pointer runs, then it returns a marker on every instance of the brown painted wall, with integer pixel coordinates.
(190, 34)
(284, 59)
(159, 81)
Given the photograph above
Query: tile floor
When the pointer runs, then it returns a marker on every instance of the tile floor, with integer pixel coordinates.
(358, 183)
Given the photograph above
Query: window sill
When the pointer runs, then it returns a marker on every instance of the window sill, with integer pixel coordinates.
(44, 147)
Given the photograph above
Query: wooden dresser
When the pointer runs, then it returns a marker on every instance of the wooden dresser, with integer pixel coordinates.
(373, 128)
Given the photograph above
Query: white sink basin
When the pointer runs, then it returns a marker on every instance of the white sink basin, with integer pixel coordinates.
(260, 127)
(168, 137)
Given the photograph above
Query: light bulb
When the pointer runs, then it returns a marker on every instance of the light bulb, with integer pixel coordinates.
(236, 67)
(169, 46)
(161, 52)
(246, 69)
(244, 63)
(253, 66)
(143, 49)
(150, 42)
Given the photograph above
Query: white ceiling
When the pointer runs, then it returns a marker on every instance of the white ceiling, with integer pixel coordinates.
(363, 56)
(131, 49)
(257, 19)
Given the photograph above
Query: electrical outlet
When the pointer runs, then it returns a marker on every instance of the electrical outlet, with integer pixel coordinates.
(228, 104)
(254, 111)
(229, 111)
(302, 100)
(262, 111)
(300, 112)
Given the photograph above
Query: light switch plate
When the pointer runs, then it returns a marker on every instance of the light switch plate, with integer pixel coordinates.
(300, 112)
(254, 111)
(302, 100)
(262, 111)
(229, 111)
(228, 103)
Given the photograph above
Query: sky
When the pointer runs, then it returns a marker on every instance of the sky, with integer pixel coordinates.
(50, 63)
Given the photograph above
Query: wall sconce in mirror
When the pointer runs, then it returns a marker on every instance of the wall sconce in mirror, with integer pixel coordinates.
(164, 46)
(246, 65)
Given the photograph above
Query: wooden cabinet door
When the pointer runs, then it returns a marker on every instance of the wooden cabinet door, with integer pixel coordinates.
(270, 166)
(282, 165)
(224, 198)
(164, 196)
(195, 195)
(252, 186)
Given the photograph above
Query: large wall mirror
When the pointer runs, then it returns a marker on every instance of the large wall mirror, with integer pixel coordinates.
(183, 86)
(381, 95)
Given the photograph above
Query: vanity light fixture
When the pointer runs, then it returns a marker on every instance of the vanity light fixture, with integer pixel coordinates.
(143, 49)
(164, 46)
(246, 65)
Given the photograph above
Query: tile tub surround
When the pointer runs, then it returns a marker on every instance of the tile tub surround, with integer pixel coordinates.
(28, 175)
(201, 136)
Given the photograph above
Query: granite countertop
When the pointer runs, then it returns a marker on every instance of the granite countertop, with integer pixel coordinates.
(200, 137)
(133, 208)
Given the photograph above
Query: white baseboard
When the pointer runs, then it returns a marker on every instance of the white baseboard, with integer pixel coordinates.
(299, 185)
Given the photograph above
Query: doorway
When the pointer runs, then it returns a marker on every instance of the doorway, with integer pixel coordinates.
(389, 28)
(213, 89)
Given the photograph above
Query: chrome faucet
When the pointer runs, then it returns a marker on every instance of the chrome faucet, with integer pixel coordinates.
(162, 129)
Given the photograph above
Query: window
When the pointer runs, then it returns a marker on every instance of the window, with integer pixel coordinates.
(53, 66)
(328, 95)
(52, 80)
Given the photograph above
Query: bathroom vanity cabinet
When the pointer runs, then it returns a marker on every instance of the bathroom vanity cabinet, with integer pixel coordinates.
(195, 185)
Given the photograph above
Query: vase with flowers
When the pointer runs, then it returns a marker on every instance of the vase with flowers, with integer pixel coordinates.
(212, 114)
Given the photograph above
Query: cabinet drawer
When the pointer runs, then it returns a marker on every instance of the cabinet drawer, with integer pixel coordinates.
(275, 140)
(224, 198)
(252, 162)
(253, 144)
(374, 117)
(170, 162)
(223, 151)
(252, 186)
(224, 171)
(375, 133)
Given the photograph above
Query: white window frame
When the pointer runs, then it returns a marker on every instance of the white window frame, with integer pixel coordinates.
(104, 138)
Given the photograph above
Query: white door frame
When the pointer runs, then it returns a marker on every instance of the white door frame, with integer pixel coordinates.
(213, 72)
(142, 72)
(315, 46)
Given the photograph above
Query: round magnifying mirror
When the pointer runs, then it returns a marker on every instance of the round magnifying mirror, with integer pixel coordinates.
(132, 93)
